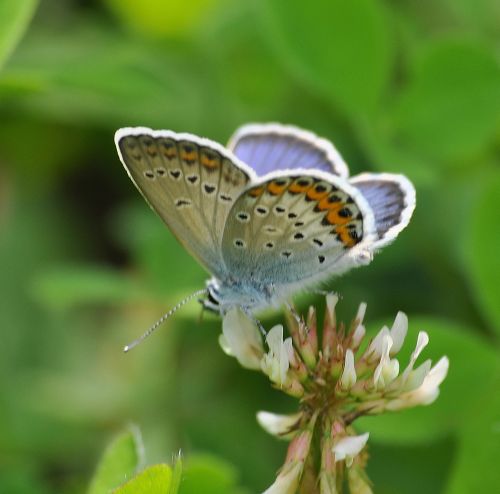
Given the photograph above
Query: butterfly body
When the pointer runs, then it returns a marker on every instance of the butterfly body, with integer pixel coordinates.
(273, 214)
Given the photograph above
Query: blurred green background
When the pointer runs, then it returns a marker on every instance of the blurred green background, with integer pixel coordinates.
(409, 86)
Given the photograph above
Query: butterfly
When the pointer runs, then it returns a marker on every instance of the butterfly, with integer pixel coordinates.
(273, 213)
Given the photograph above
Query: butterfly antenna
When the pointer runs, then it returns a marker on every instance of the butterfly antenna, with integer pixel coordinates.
(163, 319)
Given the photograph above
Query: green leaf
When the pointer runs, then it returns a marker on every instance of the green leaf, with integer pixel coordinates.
(158, 18)
(176, 476)
(80, 82)
(169, 268)
(482, 248)
(68, 286)
(153, 480)
(476, 467)
(15, 16)
(119, 462)
(341, 48)
(472, 363)
(410, 469)
(450, 109)
(209, 475)
(387, 155)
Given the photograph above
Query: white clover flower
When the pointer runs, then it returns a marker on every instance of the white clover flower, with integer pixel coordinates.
(398, 332)
(336, 383)
(349, 447)
(276, 362)
(427, 392)
(388, 369)
(358, 335)
(348, 378)
(289, 476)
(287, 480)
(376, 347)
(278, 425)
(241, 339)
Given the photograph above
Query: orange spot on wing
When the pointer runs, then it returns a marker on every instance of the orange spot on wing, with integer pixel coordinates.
(314, 195)
(326, 205)
(188, 156)
(275, 189)
(296, 188)
(335, 219)
(256, 192)
(208, 162)
(343, 233)
(170, 152)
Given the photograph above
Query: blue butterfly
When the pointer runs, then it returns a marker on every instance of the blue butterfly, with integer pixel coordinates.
(272, 214)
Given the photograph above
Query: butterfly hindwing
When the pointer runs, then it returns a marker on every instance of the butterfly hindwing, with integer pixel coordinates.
(294, 228)
(191, 183)
(392, 200)
(270, 147)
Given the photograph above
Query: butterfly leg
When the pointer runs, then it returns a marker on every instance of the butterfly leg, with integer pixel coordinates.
(291, 308)
(255, 320)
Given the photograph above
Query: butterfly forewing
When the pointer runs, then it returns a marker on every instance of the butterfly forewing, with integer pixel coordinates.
(294, 228)
(192, 183)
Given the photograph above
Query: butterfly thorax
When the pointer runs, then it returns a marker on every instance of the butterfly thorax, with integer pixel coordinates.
(230, 292)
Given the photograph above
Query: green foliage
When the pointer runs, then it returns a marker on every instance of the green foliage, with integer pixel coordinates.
(481, 249)
(159, 18)
(449, 110)
(67, 287)
(15, 16)
(476, 467)
(321, 40)
(176, 476)
(208, 475)
(119, 462)
(406, 87)
(117, 469)
(153, 480)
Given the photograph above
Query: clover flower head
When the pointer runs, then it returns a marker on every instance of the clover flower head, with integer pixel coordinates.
(336, 378)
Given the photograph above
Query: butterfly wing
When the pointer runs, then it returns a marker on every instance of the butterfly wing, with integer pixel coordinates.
(190, 182)
(297, 229)
(392, 200)
(270, 147)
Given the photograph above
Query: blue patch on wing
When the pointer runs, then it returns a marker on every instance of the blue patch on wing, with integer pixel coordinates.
(270, 147)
